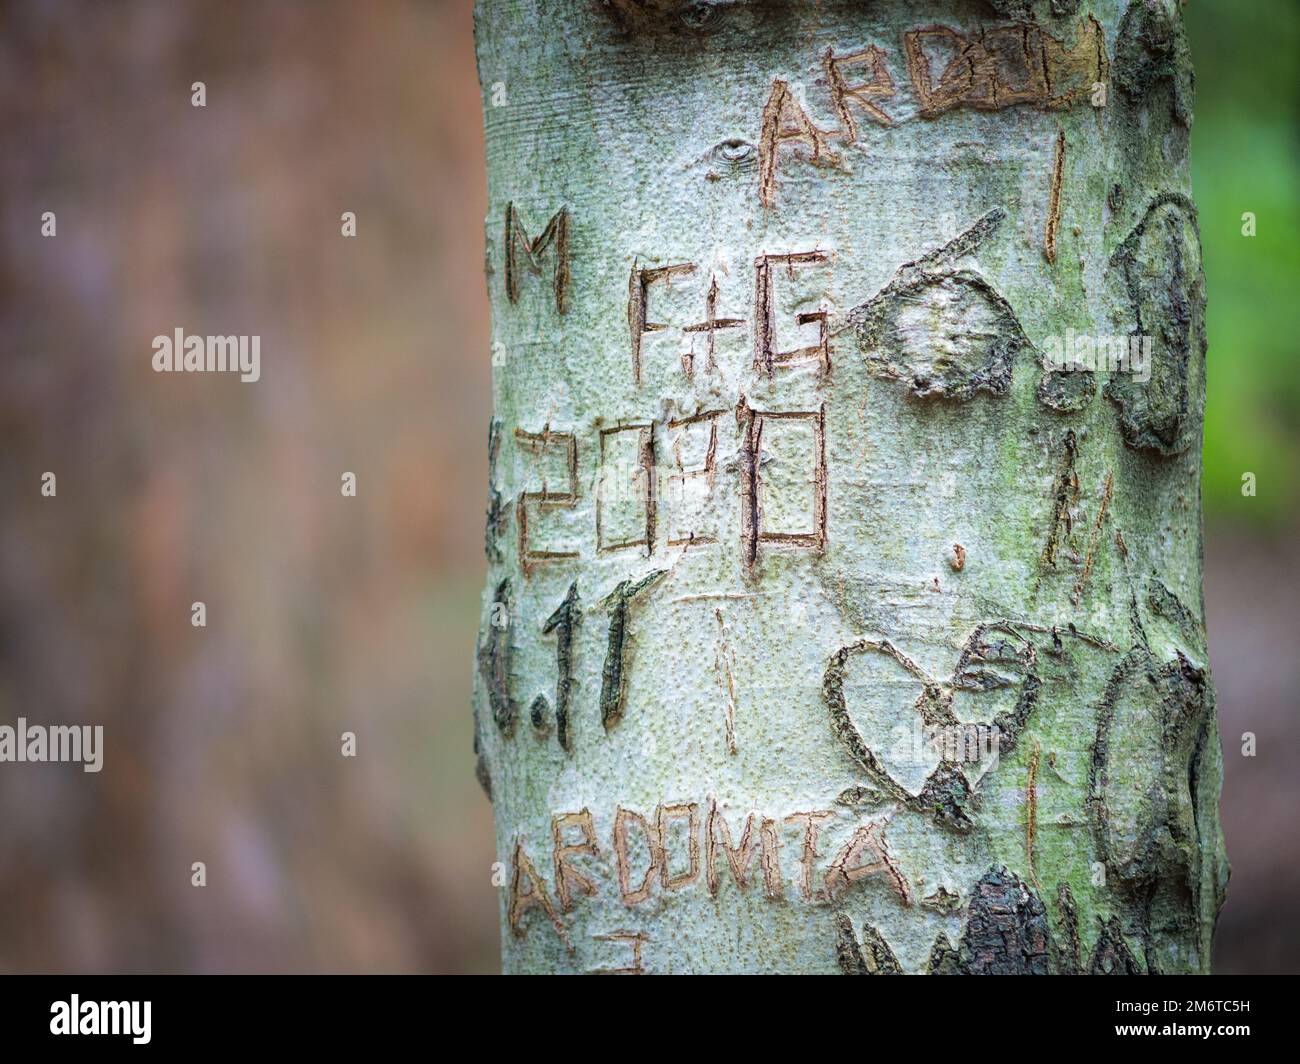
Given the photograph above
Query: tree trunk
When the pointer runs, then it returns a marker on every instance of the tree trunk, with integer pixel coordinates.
(844, 606)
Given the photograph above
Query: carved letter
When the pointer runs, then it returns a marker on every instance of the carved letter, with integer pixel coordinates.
(785, 503)
(766, 356)
(693, 445)
(562, 622)
(613, 687)
(663, 815)
(565, 874)
(556, 234)
(546, 444)
(528, 889)
(785, 120)
(810, 823)
(864, 855)
(638, 301)
(738, 857)
(625, 503)
(621, 818)
(878, 86)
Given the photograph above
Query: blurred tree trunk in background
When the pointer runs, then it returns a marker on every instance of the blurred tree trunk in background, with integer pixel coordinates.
(222, 744)
(844, 607)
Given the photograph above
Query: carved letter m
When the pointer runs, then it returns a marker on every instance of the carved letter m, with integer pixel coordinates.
(556, 235)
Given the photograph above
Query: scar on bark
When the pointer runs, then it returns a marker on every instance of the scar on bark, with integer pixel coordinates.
(1070, 956)
(1006, 929)
(676, 811)
(751, 447)
(539, 716)
(725, 662)
(942, 900)
(1067, 391)
(1112, 955)
(1144, 808)
(1165, 604)
(996, 655)
(859, 797)
(958, 558)
(659, 19)
(1054, 201)
(1151, 52)
(1001, 644)
(563, 622)
(1094, 540)
(1159, 264)
(481, 772)
(964, 243)
(1015, 10)
(945, 331)
(1169, 700)
(1031, 813)
(740, 856)
(622, 818)
(1065, 496)
(865, 854)
(870, 957)
(498, 513)
(494, 661)
(646, 468)
(613, 688)
(677, 480)
(635, 939)
(842, 725)
(567, 878)
(944, 959)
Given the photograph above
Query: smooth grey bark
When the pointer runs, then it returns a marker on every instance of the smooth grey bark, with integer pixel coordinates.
(844, 604)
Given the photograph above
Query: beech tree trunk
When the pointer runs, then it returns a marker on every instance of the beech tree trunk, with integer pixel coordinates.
(844, 606)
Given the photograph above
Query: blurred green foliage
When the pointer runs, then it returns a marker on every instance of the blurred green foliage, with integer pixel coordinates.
(1246, 157)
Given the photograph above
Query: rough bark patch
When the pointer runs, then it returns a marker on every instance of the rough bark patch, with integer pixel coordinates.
(1006, 932)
